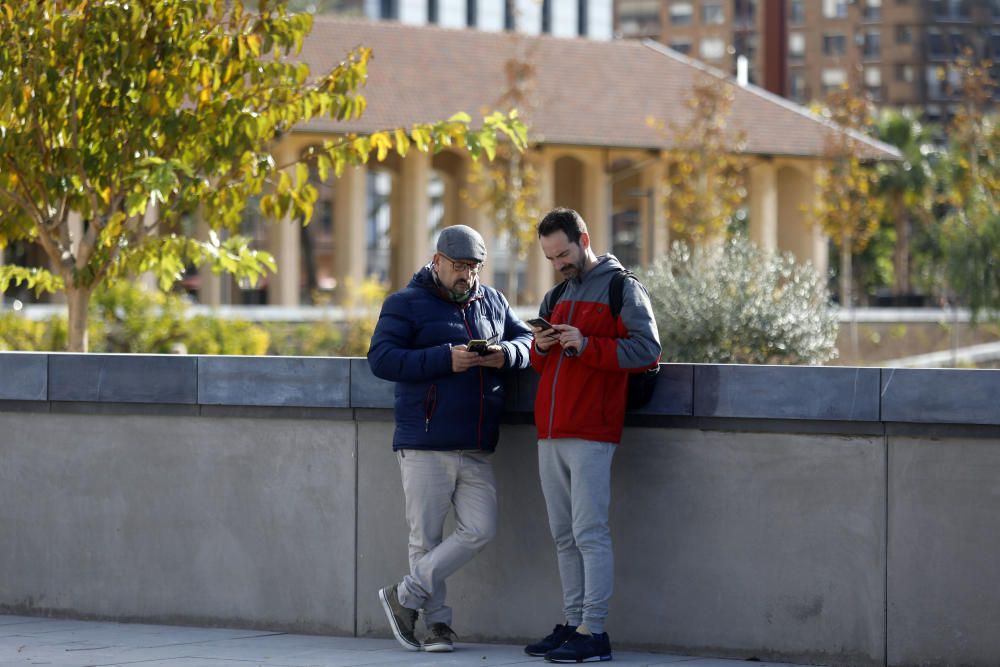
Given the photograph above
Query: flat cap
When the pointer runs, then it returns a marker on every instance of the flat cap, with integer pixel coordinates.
(462, 242)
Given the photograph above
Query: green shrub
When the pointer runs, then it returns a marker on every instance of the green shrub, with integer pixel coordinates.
(19, 333)
(125, 317)
(305, 339)
(734, 303)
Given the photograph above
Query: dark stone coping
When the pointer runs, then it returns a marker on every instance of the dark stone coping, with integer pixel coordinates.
(337, 387)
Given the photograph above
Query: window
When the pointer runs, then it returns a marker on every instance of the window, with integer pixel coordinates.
(712, 13)
(832, 78)
(388, 9)
(950, 9)
(797, 87)
(942, 81)
(796, 46)
(835, 9)
(682, 46)
(935, 76)
(546, 17)
(797, 12)
(995, 45)
(995, 9)
(745, 13)
(904, 34)
(432, 11)
(935, 44)
(873, 77)
(871, 47)
(957, 43)
(680, 13)
(582, 18)
(834, 45)
(637, 19)
(904, 73)
(873, 10)
(712, 48)
(471, 13)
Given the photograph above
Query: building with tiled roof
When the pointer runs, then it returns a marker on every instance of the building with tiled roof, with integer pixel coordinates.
(595, 152)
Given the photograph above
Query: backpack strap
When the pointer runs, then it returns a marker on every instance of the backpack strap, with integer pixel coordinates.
(616, 292)
(557, 292)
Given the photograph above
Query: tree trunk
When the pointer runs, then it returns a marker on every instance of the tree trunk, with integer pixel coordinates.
(902, 258)
(77, 302)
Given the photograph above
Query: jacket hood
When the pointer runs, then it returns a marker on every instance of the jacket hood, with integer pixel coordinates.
(606, 263)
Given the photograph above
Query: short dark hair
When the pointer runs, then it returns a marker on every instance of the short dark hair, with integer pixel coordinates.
(563, 220)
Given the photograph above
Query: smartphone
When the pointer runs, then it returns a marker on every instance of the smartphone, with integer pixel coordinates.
(481, 347)
(539, 323)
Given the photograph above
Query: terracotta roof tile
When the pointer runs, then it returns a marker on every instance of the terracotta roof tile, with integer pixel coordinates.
(588, 92)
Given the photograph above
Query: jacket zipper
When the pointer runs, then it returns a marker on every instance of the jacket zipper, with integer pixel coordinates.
(479, 426)
(430, 402)
(555, 376)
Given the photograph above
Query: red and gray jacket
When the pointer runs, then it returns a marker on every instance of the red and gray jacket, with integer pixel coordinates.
(583, 395)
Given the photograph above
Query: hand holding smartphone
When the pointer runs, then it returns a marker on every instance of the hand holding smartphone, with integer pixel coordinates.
(480, 347)
(539, 323)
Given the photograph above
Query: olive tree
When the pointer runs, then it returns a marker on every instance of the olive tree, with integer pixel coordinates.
(734, 303)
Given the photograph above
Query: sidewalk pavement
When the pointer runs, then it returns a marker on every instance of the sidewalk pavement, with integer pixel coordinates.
(27, 641)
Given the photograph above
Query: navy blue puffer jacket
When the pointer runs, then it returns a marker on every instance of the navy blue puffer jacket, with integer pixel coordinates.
(437, 408)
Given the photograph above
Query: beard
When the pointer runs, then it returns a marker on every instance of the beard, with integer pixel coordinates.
(572, 270)
(461, 287)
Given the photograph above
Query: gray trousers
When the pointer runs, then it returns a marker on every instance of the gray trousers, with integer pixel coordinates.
(433, 483)
(576, 482)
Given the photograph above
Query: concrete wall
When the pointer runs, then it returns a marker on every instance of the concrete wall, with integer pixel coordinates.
(832, 515)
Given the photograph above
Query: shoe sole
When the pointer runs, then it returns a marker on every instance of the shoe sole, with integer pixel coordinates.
(439, 648)
(567, 661)
(536, 654)
(403, 641)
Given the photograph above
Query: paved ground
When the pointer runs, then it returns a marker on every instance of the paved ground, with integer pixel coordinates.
(27, 641)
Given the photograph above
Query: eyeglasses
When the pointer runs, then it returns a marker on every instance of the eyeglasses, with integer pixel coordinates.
(461, 267)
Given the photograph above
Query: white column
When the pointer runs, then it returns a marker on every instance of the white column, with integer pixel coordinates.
(764, 205)
(285, 245)
(595, 211)
(539, 274)
(654, 222)
(479, 220)
(349, 216)
(797, 194)
(409, 218)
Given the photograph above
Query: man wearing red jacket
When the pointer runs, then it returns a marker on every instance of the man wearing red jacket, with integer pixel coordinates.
(584, 360)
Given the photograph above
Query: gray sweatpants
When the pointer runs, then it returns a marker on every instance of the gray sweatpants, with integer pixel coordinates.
(434, 482)
(576, 482)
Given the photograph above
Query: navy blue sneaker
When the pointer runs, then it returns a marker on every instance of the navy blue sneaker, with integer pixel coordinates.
(559, 635)
(582, 648)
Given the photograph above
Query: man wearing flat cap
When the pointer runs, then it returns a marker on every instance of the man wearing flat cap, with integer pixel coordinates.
(447, 410)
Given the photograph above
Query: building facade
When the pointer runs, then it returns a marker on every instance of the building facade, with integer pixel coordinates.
(593, 150)
(563, 18)
(900, 52)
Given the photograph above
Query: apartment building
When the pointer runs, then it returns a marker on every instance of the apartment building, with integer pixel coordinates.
(900, 52)
(563, 18)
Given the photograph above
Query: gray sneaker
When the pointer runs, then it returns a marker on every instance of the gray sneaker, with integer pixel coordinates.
(401, 619)
(439, 640)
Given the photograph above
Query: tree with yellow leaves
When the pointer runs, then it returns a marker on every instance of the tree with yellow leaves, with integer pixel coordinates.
(846, 207)
(706, 174)
(132, 116)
